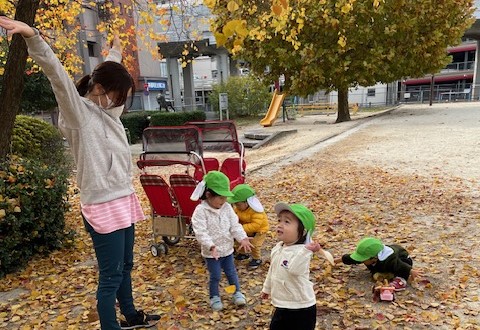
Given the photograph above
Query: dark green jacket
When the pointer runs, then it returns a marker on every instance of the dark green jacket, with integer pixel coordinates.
(397, 263)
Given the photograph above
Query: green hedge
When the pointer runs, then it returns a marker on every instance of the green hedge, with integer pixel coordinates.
(32, 208)
(136, 122)
(175, 118)
(36, 139)
(33, 191)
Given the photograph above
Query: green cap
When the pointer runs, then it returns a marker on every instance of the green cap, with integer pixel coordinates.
(301, 212)
(367, 248)
(218, 182)
(240, 193)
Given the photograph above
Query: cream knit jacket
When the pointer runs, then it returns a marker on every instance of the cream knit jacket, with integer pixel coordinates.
(216, 227)
(287, 281)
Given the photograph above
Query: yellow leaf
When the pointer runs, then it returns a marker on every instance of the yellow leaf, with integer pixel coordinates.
(277, 10)
(209, 3)
(231, 289)
(342, 42)
(60, 318)
(232, 6)
(2, 213)
(17, 209)
(346, 8)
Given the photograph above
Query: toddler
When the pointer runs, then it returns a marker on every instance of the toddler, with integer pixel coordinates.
(254, 220)
(380, 258)
(216, 226)
(287, 281)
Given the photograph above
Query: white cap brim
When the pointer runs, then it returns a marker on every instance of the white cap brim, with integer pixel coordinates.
(279, 207)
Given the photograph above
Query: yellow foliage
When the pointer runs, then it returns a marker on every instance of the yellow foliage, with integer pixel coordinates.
(232, 6)
(231, 289)
(346, 8)
(210, 3)
(220, 38)
(277, 10)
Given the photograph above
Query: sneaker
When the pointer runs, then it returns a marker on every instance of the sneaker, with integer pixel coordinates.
(239, 299)
(254, 263)
(398, 283)
(216, 303)
(141, 320)
(242, 256)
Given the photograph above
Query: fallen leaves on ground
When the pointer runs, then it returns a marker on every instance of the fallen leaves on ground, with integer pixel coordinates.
(434, 218)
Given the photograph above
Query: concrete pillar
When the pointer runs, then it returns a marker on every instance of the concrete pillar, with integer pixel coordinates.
(475, 89)
(174, 82)
(223, 67)
(233, 67)
(188, 87)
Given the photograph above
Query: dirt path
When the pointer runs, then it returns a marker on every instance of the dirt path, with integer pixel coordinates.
(409, 177)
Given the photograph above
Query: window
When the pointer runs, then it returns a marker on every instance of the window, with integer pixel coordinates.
(93, 50)
(371, 92)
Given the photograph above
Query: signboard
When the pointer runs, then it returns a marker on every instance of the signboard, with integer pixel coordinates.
(223, 104)
(157, 85)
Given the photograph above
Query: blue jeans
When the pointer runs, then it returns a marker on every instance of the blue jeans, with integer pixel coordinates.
(114, 253)
(215, 269)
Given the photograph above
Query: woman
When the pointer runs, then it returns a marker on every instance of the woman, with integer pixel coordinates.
(90, 120)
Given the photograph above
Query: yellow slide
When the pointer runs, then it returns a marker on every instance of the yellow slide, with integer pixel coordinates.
(273, 110)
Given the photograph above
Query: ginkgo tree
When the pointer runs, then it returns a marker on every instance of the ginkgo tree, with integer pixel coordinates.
(58, 22)
(340, 44)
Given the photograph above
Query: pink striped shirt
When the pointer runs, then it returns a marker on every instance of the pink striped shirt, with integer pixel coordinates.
(110, 216)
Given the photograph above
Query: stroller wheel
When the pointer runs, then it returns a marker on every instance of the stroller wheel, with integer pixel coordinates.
(157, 249)
(171, 240)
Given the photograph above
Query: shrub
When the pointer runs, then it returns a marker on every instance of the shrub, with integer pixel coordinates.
(36, 139)
(175, 118)
(32, 194)
(247, 96)
(136, 122)
(32, 208)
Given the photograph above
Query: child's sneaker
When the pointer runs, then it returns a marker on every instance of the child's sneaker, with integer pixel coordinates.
(239, 299)
(242, 256)
(398, 283)
(216, 303)
(141, 320)
(254, 264)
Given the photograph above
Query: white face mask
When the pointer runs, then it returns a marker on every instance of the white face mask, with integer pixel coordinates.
(112, 111)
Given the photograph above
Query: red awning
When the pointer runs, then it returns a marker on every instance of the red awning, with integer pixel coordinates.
(425, 81)
(462, 48)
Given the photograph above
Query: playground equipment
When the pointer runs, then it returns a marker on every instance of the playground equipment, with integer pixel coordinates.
(273, 109)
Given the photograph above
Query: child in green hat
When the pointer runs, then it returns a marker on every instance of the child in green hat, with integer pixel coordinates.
(254, 220)
(381, 258)
(287, 283)
(216, 226)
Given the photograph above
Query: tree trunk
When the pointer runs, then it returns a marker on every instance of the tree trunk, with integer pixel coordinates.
(343, 113)
(12, 85)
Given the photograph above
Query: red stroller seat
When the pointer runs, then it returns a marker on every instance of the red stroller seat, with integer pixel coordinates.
(235, 171)
(183, 186)
(160, 195)
(211, 164)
